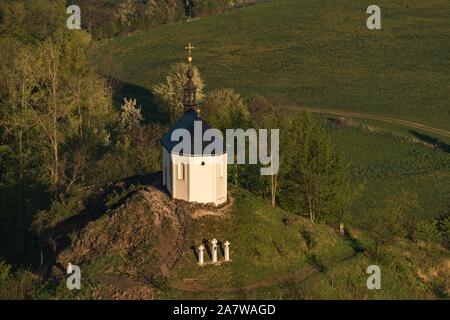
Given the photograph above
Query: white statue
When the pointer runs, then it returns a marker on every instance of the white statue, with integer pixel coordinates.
(214, 250)
(200, 254)
(342, 229)
(227, 250)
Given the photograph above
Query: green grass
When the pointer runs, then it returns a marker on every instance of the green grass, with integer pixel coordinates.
(260, 242)
(314, 53)
(386, 163)
(271, 260)
(262, 247)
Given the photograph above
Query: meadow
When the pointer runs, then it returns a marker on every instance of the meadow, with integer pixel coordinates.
(312, 53)
(386, 163)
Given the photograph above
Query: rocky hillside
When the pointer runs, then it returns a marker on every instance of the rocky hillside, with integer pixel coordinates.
(133, 236)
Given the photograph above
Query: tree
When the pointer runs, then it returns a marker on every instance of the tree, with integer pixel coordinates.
(265, 114)
(146, 153)
(165, 11)
(387, 223)
(443, 225)
(226, 109)
(427, 231)
(314, 178)
(54, 112)
(100, 18)
(31, 22)
(126, 12)
(383, 226)
(16, 90)
(171, 91)
(130, 115)
(52, 93)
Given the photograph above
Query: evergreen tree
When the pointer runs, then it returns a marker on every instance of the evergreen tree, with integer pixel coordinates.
(314, 178)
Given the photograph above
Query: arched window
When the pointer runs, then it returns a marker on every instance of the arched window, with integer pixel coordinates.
(220, 170)
(180, 171)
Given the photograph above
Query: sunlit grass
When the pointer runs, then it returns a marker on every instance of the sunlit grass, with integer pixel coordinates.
(315, 53)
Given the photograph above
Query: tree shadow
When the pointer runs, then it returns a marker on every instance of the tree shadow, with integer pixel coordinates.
(152, 109)
(313, 260)
(437, 143)
(19, 206)
(189, 8)
(207, 248)
(221, 248)
(194, 250)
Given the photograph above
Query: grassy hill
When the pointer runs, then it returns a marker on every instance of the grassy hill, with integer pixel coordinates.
(318, 54)
(275, 255)
(314, 53)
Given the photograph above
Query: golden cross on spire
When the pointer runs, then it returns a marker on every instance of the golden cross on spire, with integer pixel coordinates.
(189, 49)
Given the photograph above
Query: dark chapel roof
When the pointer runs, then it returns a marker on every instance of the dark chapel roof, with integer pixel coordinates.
(187, 122)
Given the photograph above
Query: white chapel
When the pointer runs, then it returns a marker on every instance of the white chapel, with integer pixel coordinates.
(193, 175)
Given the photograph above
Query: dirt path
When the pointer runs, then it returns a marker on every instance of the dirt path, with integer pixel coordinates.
(249, 3)
(301, 275)
(406, 123)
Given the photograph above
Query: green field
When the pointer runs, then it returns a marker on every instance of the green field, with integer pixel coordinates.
(386, 163)
(313, 53)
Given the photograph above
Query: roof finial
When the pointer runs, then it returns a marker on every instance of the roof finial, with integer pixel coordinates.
(190, 91)
(189, 49)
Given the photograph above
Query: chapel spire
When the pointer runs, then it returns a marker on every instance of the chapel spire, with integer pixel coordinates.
(190, 90)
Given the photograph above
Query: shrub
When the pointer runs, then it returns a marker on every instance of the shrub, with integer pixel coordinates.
(61, 208)
(21, 284)
(427, 231)
(225, 109)
(5, 271)
(443, 226)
